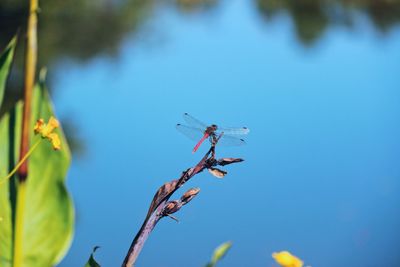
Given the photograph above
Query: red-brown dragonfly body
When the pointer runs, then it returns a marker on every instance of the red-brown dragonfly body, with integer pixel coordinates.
(199, 130)
(209, 132)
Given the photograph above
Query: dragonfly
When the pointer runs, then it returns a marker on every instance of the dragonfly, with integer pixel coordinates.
(199, 131)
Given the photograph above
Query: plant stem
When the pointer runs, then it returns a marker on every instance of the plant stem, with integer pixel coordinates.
(161, 198)
(157, 204)
(30, 71)
(19, 225)
(3, 180)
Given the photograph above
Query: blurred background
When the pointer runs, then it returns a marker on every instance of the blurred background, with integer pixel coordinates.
(317, 82)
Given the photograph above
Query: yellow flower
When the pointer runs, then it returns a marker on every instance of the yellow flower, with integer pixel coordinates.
(55, 141)
(46, 131)
(38, 126)
(285, 259)
(50, 126)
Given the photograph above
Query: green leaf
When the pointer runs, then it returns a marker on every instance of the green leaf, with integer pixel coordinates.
(6, 59)
(49, 214)
(219, 253)
(92, 262)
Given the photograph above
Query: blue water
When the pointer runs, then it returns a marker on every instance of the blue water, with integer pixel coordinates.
(321, 177)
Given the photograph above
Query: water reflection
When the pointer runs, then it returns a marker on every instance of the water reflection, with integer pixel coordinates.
(312, 18)
(82, 29)
(77, 29)
(195, 5)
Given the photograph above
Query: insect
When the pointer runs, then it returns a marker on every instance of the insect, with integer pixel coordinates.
(199, 131)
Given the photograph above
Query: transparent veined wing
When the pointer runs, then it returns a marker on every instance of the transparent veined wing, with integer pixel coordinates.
(191, 132)
(194, 122)
(234, 131)
(227, 140)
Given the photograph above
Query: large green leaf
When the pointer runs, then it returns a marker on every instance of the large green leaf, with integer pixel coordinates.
(6, 59)
(49, 214)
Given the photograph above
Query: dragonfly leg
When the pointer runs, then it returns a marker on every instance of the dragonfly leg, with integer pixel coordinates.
(213, 139)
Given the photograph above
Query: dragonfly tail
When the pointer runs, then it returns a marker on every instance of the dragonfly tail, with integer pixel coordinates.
(200, 142)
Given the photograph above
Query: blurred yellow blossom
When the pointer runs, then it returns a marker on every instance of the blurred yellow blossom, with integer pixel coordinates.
(38, 126)
(46, 131)
(285, 259)
(49, 127)
(55, 140)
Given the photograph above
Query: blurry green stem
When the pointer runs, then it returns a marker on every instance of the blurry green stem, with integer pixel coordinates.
(4, 179)
(29, 81)
(19, 225)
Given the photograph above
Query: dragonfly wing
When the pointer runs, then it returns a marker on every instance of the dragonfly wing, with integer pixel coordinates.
(194, 122)
(192, 132)
(234, 131)
(227, 140)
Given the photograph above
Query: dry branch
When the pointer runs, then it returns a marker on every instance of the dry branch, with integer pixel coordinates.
(160, 206)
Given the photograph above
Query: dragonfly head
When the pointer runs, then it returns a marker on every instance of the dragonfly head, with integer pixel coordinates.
(211, 129)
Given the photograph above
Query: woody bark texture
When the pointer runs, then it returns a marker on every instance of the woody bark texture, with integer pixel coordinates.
(161, 207)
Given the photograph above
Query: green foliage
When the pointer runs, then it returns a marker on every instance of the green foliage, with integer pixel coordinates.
(219, 253)
(49, 214)
(92, 262)
(6, 59)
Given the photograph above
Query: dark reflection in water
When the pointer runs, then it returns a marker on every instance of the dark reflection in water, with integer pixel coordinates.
(195, 5)
(82, 29)
(312, 18)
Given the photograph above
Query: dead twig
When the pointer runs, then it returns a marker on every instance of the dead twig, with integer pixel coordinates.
(161, 206)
